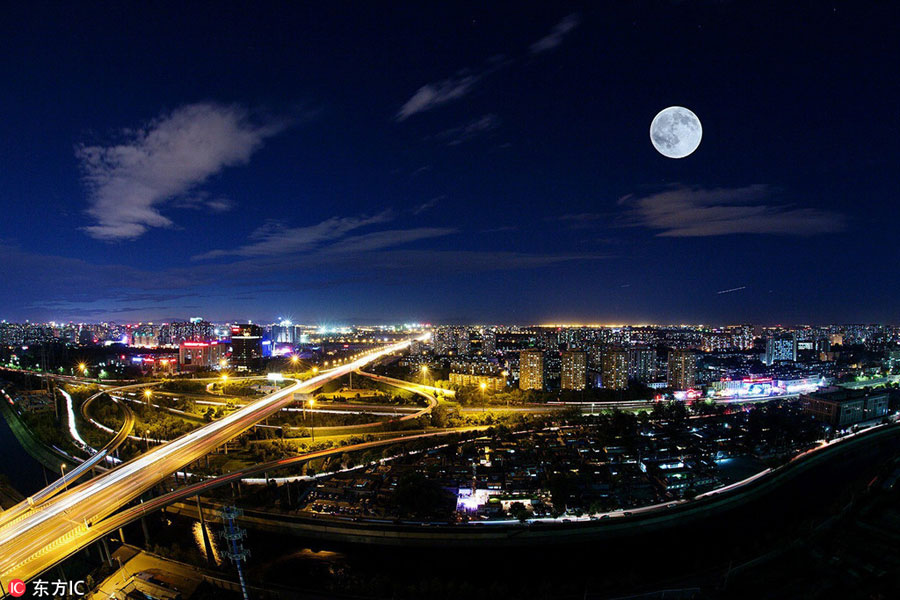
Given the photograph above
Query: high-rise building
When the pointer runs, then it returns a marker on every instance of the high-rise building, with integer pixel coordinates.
(548, 338)
(452, 340)
(195, 330)
(488, 342)
(682, 369)
(246, 345)
(531, 370)
(463, 341)
(642, 364)
(573, 372)
(285, 332)
(443, 341)
(780, 348)
(614, 368)
(200, 355)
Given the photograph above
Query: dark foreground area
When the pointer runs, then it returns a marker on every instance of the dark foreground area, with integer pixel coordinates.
(831, 532)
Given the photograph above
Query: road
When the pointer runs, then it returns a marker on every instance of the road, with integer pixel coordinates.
(63, 525)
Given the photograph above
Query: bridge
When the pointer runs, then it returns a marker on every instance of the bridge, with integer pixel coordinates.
(43, 535)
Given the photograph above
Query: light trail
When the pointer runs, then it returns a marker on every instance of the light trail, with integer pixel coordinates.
(737, 289)
(73, 427)
(62, 525)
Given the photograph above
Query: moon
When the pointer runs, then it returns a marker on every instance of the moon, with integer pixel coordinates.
(675, 132)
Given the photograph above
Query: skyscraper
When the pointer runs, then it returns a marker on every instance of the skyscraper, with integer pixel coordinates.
(246, 345)
(573, 373)
(614, 368)
(781, 348)
(642, 364)
(531, 370)
(682, 369)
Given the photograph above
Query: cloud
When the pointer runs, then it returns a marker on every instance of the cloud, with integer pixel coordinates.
(703, 212)
(129, 182)
(457, 135)
(384, 239)
(275, 238)
(556, 35)
(60, 287)
(431, 95)
(428, 204)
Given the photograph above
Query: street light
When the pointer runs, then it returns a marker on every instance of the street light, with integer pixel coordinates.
(294, 359)
(315, 370)
(224, 382)
(148, 394)
(483, 387)
(312, 419)
(62, 469)
(505, 383)
(82, 367)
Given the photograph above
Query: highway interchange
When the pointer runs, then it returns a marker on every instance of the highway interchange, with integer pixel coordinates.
(34, 538)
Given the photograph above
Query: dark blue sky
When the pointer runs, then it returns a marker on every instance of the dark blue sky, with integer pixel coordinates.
(365, 161)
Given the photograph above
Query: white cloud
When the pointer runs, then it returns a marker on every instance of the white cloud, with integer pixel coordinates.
(275, 238)
(428, 204)
(704, 212)
(431, 95)
(131, 181)
(556, 35)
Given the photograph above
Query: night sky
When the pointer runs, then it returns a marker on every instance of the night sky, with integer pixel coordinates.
(361, 162)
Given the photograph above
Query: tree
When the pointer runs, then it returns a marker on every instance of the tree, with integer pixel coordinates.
(440, 416)
(519, 511)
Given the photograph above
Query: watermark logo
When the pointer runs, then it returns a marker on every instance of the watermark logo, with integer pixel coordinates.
(41, 589)
(16, 588)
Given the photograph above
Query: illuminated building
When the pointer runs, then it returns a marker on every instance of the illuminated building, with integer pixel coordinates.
(614, 368)
(493, 383)
(531, 370)
(682, 366)
(573, 372)
(200, 355)
(642, 364)
(285, 332)
(781, 348)
(892, 361)
(195, 330)
(450, 340)
(841, 407)
(246, 345)
(488, 342)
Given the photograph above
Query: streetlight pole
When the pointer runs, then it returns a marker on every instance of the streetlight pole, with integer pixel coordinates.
(505, 375)
(312, 419)
(62, 469)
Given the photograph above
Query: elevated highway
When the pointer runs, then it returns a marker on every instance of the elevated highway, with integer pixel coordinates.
(65, 523)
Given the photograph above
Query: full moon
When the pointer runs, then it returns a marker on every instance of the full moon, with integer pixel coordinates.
(675, 132)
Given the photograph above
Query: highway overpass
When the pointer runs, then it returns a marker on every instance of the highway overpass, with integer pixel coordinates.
(46, 534)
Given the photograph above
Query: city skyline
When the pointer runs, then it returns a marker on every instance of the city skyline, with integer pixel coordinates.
(484, 166)
(385, 300)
